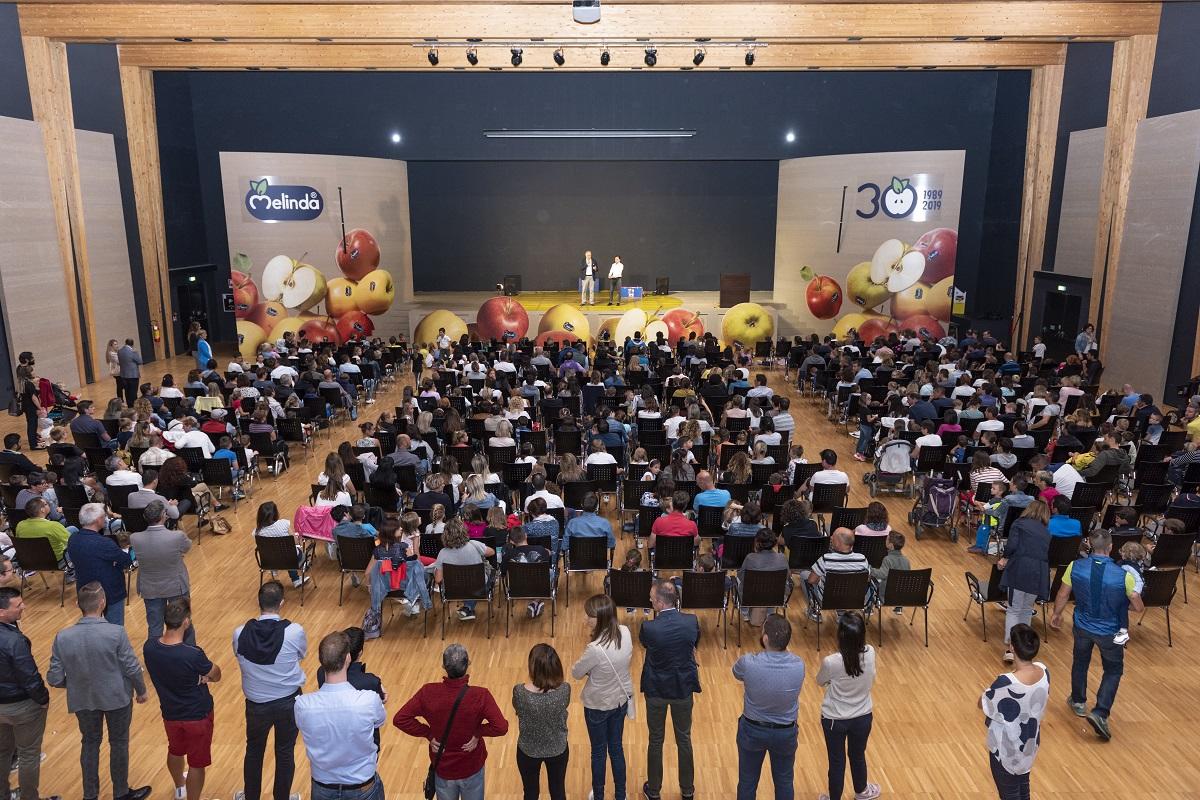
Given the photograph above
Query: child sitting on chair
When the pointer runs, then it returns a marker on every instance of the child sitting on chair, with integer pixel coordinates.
(1134, 559)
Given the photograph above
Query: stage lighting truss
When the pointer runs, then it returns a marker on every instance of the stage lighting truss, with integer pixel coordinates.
(557, 50)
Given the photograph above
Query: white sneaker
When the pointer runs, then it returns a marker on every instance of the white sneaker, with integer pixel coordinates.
(181, 793)
(240, 794)
(1122, 637)
(297, 583)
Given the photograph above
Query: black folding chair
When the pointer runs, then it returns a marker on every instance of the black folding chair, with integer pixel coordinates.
(672, 553)
(848, 518)
(908, 588)
(734, 550)
(462, 583)
(630, 589)
(760, 589)
(529, 582)
(118, 496)
(353, 555)
(586, 554)
(36, 554)
(603, 476)
(825, 498)
(1174, 550)
(276, 553)
(705, 591)
(574, 492)
(873, 547)
(841, 591)
(981, 595)
(1158, 592)
(708, 521)
(803, 551)
(218, 473)
(193, 457)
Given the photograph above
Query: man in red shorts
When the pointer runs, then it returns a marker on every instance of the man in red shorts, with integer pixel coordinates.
(181, 674)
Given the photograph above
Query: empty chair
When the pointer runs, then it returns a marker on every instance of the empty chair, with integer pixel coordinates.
(982, 594)
(873, 547)
(909, 588)
(826, 497)
(1158, 592)
(803, 552)
(734, 550)
(1089, 495)
(1174, 550)
(218, 472)
(849, 518)
(702, 591)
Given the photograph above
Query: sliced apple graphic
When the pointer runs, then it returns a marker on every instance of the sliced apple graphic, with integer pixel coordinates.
(296, 285)
(624, 326)
(654, 328)
(896, 265)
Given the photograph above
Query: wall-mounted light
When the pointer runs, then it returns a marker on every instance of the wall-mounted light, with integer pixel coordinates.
(604, 57)
(698, 58)
(559, 58)
(1061, 287)
(472, 56)
(516, 56)
(749, 58)
(651, 57)
(395, 137)
(432, 55)
(790, 137)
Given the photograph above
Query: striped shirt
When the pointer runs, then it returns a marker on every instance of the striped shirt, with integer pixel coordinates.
(834, 561)
(986, 475)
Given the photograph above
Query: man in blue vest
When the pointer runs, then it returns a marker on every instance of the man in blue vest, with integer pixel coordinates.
(1104, 593)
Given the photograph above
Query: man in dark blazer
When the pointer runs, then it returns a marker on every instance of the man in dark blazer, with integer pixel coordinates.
(130, 362)
(669, 679)
(589, 273)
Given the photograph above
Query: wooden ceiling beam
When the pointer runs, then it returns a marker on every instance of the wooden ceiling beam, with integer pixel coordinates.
(323, 57)
(126, 22)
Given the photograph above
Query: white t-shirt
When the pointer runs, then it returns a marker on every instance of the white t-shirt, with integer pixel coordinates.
(589, 268)
(1065, 478)
(1039, 350)
(830, 476)
(616, 270)
(990, 425)
(552, 500)
(600, 458)
(929, 440)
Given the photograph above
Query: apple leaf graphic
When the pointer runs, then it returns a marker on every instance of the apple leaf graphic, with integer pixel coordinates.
(899, 185)
(241, 262)
(259, 187)
(807, 273)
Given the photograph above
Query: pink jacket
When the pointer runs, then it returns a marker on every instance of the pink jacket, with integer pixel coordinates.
(314, 522)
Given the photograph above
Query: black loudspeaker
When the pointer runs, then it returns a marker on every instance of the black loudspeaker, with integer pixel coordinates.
(662, 286)
(512, 285)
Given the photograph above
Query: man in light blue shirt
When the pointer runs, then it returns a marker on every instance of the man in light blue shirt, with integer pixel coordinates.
(772, 679)
(338, 723)
(709, 495)
(589, 523)
(269, 651)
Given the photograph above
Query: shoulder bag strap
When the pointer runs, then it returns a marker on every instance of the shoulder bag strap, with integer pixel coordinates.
(620, 678)
(449, 721)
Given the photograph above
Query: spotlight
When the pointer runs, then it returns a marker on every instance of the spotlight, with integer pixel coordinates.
(433, 57)
(698, 59)
(790, 137)
(605, 58)
(559, 58)
(516, 56)
(396, 138)
(749, 58)
(472, 56)
(651, 56)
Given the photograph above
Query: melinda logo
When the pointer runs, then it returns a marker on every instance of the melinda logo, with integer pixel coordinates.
(283, 203)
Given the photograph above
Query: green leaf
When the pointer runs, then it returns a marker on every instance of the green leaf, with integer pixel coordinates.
(241, 262)
(259, 187)
(898, 185)
(807, 273)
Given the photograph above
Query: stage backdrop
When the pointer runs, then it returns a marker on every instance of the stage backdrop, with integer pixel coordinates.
(867, 241)
(290, 268)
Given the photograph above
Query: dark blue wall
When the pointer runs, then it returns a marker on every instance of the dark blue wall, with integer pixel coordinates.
(14, 102)
(737, 116)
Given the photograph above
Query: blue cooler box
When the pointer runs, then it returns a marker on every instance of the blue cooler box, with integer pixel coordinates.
(631, 293)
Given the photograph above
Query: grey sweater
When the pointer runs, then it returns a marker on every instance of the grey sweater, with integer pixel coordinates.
(543, 720)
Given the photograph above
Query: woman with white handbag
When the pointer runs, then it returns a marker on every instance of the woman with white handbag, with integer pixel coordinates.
(608, 695)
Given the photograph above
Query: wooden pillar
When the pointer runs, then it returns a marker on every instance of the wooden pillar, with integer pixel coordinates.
(50, 95)
(1045, 99)
(1128, 96)
(137, 91)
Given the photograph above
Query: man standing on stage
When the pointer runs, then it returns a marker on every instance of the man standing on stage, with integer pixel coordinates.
(587, 286)
(614, 280)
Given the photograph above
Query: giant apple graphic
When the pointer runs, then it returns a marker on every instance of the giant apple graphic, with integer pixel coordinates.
(250, 337)
(625, 326)
(426, 332)
(682, 322)
(855, 320)
(354, 325)
(940, 248)
(824, 295)
(921, 298)
(861, 290)
(245, 294)
(653, 328)
(896, 265)
(503, 319)
(267, 315)
(292, 324)
(321, 329)
(566, 317)
(875, 327)
(296, 285)
(339, 297)
(357, 254)
(374, 293)
(746, 323)
(923, 325)
(564, 338)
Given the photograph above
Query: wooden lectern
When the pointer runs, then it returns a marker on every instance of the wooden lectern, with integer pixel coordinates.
(734, 289)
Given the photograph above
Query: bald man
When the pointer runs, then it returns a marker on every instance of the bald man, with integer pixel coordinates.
(840, 558)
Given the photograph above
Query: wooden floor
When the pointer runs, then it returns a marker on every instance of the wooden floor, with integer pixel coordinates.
(928, 739)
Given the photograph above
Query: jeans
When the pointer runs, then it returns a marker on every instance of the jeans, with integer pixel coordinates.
(260, 719)
(21, 727)
(115, 612)
(1112, 660)
(1020, 609)
(372, 792)
(31, 423)
(156, 609)
(846, 737)
(606, 730)
(556, 774)
(470, 788)
(866, 439)
(753, 743)
(681, 721)
(614, 288)
(1009, 786)
(91, 727)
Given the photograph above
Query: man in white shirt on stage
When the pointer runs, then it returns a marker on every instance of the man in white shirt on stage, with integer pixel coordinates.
(587, 281)
(614, 280)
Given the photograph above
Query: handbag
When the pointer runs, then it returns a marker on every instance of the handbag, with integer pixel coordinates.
(430, 787)
(630, 705)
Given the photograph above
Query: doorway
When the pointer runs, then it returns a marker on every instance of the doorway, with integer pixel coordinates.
(1060, 321)
(192, 293)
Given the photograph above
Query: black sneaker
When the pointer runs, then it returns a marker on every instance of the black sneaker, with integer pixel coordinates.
(1099, 725)
(140, 793)
(646, 792)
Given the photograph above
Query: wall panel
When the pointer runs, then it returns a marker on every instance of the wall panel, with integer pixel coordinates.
(1080, 204)
(35, 300)
(1146, 291)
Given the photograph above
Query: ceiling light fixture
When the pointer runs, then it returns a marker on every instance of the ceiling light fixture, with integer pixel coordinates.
(516, 56)
(432, 56)
(472, 56)
(604, 57)
(559, 58)
(749, 58)
(698, 58)
(395, 137)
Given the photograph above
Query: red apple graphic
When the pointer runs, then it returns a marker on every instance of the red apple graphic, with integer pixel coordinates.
(924, 325)
(245, 294)
(681, 322)
(824, 297)
(503, 319)
(564, 338)
(321, 329)
(940, 248)
(357, 254)
(354, 325)
(875, 327)
(266, 315)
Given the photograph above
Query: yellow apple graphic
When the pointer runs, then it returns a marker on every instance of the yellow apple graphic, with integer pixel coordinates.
(854, 320)
(746, 323)
(427, 329)
(339, 296)
(250, 337)
(569, 318)
(374, 293)
(861, 290)
(921, 298)
(286, 324)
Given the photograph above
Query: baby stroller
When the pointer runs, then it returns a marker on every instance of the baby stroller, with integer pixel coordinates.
(936, 507)
(893, 468)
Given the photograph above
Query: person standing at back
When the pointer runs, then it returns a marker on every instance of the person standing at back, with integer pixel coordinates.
(96, 557)
(541, 706)
(162, 574)
(94, 661)
(846, 711)
(608, 692)
(269, 650)
(130, 362)
(457, 717)
(24, 700)
(772, 679)
(1104, 594)
(670, 678)
(1013, 707)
